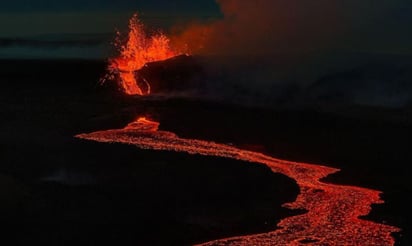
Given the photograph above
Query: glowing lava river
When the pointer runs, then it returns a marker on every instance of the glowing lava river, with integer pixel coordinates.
(333, 211)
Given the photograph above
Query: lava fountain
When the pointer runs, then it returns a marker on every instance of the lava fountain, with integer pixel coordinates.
(333, 211)
(139, 49)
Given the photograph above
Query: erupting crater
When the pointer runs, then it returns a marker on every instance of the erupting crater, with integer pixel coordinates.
(139, 50)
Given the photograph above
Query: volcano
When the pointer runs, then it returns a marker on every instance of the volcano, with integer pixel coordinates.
(104, 165)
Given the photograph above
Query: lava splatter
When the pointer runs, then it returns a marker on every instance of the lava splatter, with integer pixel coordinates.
(139, 49)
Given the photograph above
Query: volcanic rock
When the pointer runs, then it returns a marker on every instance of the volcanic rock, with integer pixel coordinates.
(178, 74)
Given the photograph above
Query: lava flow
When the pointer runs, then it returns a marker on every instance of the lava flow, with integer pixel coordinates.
(333, 211)
(138, 50)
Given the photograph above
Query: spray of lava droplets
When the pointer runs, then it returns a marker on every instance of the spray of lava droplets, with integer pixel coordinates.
(139, 49)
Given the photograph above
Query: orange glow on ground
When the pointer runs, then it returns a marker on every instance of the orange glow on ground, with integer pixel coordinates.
(333, 210)
(138, 50)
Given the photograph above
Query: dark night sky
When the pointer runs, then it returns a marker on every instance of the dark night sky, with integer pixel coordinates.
(378, 25)
(22, 18)
(84, 19)
(93, 5)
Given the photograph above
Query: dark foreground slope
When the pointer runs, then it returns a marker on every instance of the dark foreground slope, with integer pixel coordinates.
(64, 191)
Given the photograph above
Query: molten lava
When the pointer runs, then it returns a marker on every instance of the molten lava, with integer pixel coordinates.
(333, 211)
(143, 124)
(138, 50)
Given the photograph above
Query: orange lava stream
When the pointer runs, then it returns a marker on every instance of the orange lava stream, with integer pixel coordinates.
(139, 50)
(333, 211)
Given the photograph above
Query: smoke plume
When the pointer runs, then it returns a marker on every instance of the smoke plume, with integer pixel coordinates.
(279, 50)
(273, 26)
